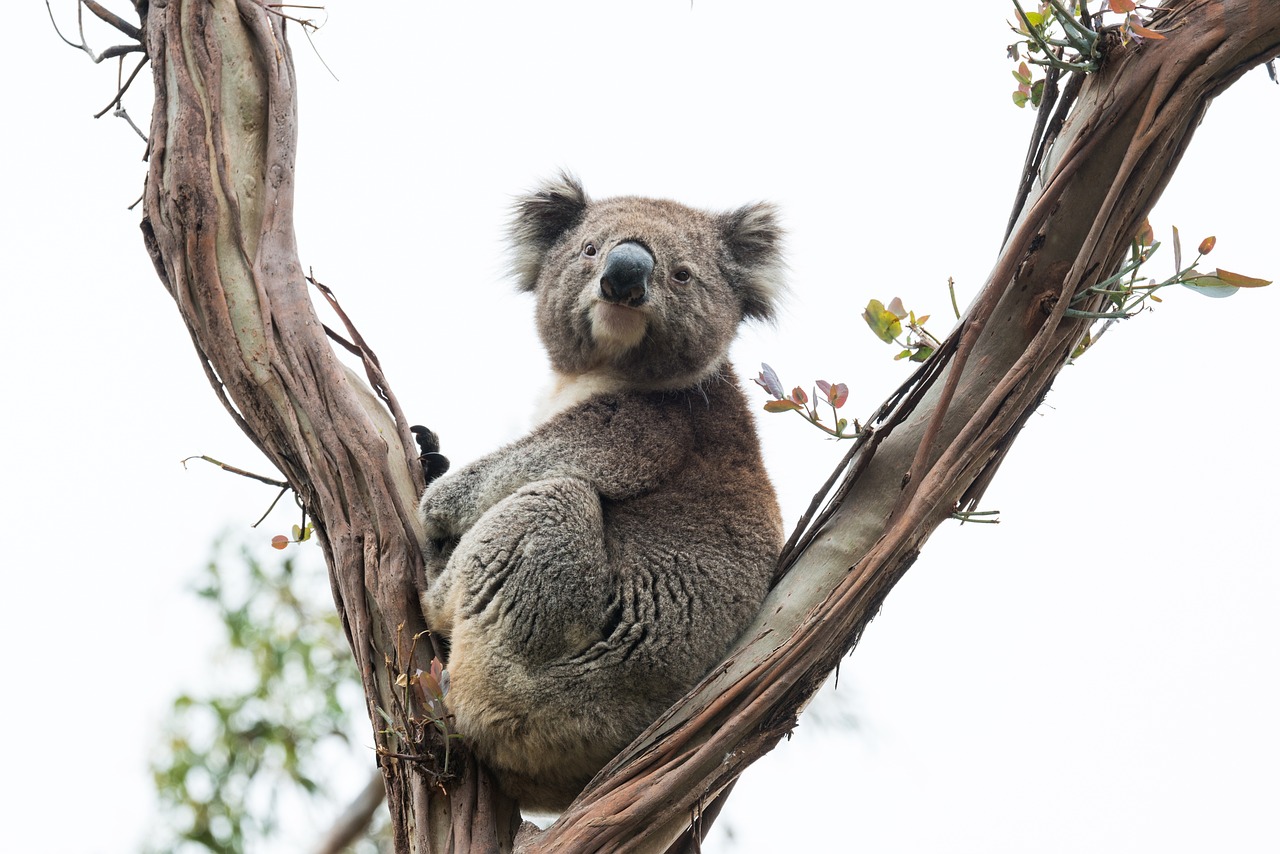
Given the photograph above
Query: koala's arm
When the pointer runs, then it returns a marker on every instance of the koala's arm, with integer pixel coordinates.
(620, 446)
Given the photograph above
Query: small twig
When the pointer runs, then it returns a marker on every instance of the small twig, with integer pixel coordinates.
(1081, 37)
(280, 483)
(107, 16)
(113, 19)
(372, 367)
(54, 21)
(412, 757)
(306, 31)
(121, 89)
(1035, 152)
(284, 485)
(969, 516)
(122, 113)
(1042, 139)
(356, 818)
(305, 23)
(283, 490)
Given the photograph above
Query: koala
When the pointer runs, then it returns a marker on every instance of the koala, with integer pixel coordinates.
(590, 573)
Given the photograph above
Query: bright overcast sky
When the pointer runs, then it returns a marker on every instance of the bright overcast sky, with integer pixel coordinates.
(1096, 673)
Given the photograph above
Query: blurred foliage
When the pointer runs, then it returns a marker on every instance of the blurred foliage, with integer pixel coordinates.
(278, 703)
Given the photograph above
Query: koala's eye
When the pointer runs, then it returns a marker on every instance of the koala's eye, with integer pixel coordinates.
(682, 275)
(589, 250)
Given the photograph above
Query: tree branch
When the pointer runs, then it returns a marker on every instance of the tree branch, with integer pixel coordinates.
(354, 822)
(1101, 174)
(219, 226)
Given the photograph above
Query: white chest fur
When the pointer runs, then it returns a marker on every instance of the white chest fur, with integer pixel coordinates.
(566, 391)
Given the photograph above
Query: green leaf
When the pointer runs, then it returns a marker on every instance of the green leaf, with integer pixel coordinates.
(922, 353)
(1082, 346)
(1222, 283)
(781, 406)
(1210, 286)
(883, 323)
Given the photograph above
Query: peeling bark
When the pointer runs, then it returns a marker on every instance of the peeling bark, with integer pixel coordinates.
(219, 226)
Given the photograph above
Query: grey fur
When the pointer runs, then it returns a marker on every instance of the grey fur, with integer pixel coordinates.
(591, 572)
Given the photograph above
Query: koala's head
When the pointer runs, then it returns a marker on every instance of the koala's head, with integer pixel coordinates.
(645, 290)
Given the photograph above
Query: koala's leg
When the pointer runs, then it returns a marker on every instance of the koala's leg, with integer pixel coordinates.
(531, 601)
(532, 573)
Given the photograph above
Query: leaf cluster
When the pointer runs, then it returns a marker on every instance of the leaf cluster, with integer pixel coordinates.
(1068, 38)
(887, 324)
(420, 726)
(834, 395)
(1125, 293)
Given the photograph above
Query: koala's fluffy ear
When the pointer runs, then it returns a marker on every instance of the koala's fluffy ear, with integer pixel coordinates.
(753, 237)
(538, 221)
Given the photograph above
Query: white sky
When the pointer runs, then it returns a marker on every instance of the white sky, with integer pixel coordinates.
(1096, 673)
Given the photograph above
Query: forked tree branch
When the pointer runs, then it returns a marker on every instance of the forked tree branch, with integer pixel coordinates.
(219, 227)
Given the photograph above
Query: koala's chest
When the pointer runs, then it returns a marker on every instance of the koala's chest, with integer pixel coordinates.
(566, 391)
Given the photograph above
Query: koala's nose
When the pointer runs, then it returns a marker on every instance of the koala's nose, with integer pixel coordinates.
(627, 270)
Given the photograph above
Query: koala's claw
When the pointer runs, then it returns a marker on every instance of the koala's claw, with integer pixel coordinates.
(434, 463)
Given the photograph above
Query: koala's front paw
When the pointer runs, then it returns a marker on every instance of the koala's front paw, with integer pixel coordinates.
(447, 510)
(434, 464)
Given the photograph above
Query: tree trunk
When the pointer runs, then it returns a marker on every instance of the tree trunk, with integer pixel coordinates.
(219, 227)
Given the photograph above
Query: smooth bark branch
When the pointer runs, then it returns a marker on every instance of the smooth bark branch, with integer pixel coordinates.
(219, 207)
(1100, 177)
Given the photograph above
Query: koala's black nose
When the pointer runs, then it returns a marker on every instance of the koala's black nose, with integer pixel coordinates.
(626, 274)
